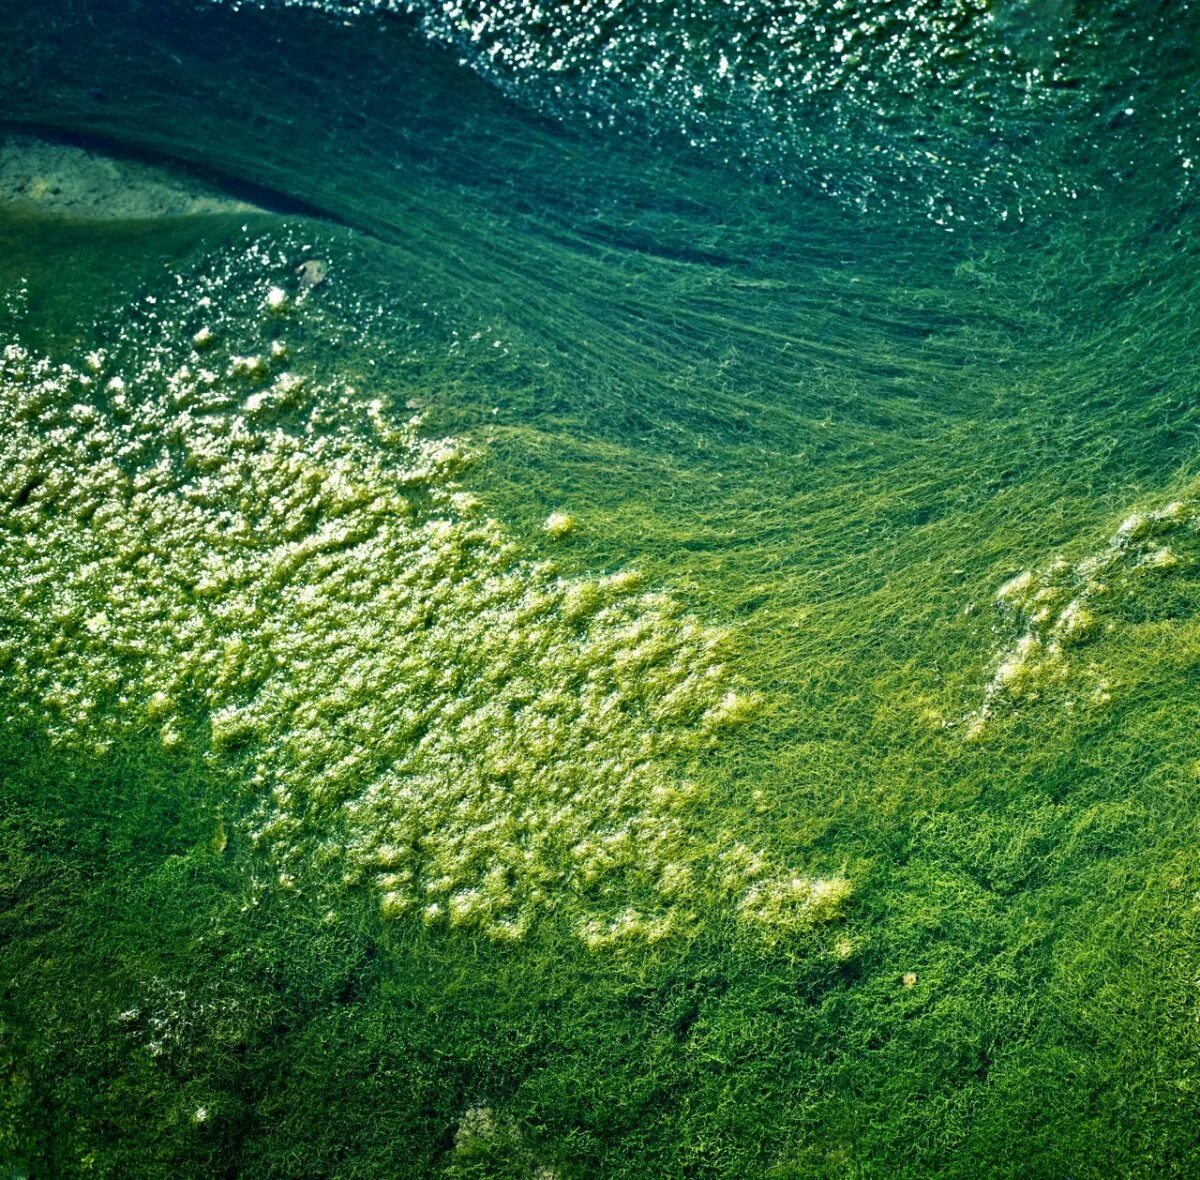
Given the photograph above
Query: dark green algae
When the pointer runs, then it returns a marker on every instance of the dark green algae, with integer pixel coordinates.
(837, 433)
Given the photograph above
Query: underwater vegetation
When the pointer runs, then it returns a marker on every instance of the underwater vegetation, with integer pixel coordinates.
(485, 738)
(1058, 605)
(554, 622)
(934, 106)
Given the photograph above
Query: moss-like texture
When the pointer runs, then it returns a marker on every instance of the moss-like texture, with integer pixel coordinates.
(206, 543)
(287, 673)
(1062, 606)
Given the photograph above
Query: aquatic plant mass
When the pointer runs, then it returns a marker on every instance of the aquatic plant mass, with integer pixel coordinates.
(600, 590)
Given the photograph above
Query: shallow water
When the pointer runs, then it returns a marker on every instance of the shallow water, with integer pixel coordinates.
(613, 617)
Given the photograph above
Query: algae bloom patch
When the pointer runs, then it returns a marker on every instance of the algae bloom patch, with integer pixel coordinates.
(205, 544)
(1057, 608)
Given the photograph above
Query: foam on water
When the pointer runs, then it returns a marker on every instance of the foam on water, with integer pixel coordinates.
(204, 544)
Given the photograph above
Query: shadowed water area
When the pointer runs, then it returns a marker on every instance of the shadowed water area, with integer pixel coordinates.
(598, 590)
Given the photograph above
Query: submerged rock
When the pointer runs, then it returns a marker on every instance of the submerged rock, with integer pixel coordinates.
(312, 272)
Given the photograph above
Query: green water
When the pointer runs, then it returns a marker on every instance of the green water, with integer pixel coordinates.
(560, 696)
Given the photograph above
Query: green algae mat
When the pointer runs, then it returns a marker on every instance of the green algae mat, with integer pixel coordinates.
(599, 590)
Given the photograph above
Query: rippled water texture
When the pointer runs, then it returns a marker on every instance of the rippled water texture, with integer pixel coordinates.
(964, 110)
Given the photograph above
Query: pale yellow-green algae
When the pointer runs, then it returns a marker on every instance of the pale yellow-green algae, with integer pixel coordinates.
(209, 533)
(1053, 609)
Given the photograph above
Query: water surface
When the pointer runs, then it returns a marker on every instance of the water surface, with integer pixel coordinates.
(616, 599)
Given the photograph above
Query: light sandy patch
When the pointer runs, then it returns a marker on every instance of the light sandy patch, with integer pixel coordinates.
(84, 182)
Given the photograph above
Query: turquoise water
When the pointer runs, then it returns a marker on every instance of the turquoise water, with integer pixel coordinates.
(630, 612)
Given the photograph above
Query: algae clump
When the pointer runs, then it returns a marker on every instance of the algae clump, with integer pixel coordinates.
(414, 701)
